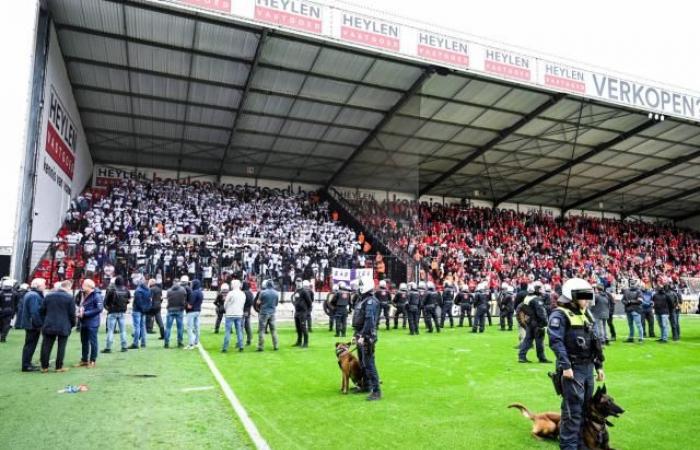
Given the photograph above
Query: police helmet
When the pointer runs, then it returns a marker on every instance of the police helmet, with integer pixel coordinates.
(402, 287)
(481, 286)
(504, 286)
(575, 289)
(224, 287)
(412, 286)
(366, 285)
(510, 289)
(464, 288)
(24, 287)
(537, 286)
(421, 285)
(431, 286)
(8, 283)
(548, 288)
(342, 286)
(382, 284)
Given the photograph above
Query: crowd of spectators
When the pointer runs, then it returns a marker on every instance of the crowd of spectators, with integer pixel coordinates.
(473, 244)
(213, 233)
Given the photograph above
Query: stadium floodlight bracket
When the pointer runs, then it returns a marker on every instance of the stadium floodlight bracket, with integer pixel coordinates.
(589, 154)
(503, 134)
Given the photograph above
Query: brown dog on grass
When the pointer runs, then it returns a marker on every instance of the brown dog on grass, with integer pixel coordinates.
(595, 423)
(349, 366)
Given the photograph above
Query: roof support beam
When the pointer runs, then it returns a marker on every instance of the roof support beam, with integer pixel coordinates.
(503, 134)
(635, 179)
(415, 87)
(589, 154)
(212, 55)
(662, 202)
(241, 104)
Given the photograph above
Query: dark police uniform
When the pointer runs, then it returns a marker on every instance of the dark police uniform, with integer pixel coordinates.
(572, 339)
(430, 302)
(384, 298)
(7, 310)
(464, 300)
(481, 306)
(534, 331)
(448, 295)
(302, 308)
(400, 303)
(505, 310)
(329, 309)
(413, 309)
(364, 321)
(340, 303)
(310, 294)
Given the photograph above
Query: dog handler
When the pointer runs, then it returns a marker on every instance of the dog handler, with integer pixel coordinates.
(578, 353)
(364, 321)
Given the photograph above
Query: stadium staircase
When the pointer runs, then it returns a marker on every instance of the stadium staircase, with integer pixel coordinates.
(399, 266)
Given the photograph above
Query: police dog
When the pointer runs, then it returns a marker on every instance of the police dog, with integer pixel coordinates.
(595, 423)
(349, 366)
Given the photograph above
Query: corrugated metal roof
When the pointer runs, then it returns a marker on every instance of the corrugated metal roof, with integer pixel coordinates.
(174, 87)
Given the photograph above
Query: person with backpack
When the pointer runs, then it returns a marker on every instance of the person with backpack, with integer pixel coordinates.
(142, 306)
(116, 301)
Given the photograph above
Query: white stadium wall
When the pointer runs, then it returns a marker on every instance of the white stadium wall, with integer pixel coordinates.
(63, 164)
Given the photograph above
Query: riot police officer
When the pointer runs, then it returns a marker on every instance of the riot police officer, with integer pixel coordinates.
(306, 285)
(481, 306)
(7, 306)
(431, 299)
(400, 301)
(328, 307)
(384, 297)
(579, 353)
(464, 300)
(302, 306)
(505, 307)
(448, 295)
(364, 321)
(413, 308)
(535, 325)
(340, 303)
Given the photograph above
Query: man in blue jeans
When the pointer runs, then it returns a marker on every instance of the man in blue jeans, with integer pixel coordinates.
(90, 310)
(177, 298)
(663, 305)
(139, 312)
(116, 301)
(235, 301)
(632, 299)
(194, 308)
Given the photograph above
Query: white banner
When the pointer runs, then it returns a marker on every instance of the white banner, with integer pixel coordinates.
(64, 164)
(387, 34)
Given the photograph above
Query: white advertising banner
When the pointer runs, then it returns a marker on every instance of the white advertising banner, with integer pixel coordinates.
(388, 34)
(64, 164)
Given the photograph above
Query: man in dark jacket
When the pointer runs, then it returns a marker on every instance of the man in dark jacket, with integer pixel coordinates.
(30, 322)
(247, 306)
(154, 313)
(18, 301)
(7, 306)
(194, 308)
(58, 315)
(632, 299)
(219, 305)
(141, 307)
(89, 313)
(116, 301)
(663, 305)
(177, 299)
(303, 302)
(268, 301)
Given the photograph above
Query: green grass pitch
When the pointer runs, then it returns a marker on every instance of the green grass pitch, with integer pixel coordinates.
(440, 391)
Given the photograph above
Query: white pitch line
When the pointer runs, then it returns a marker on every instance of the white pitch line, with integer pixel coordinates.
(248, 424)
